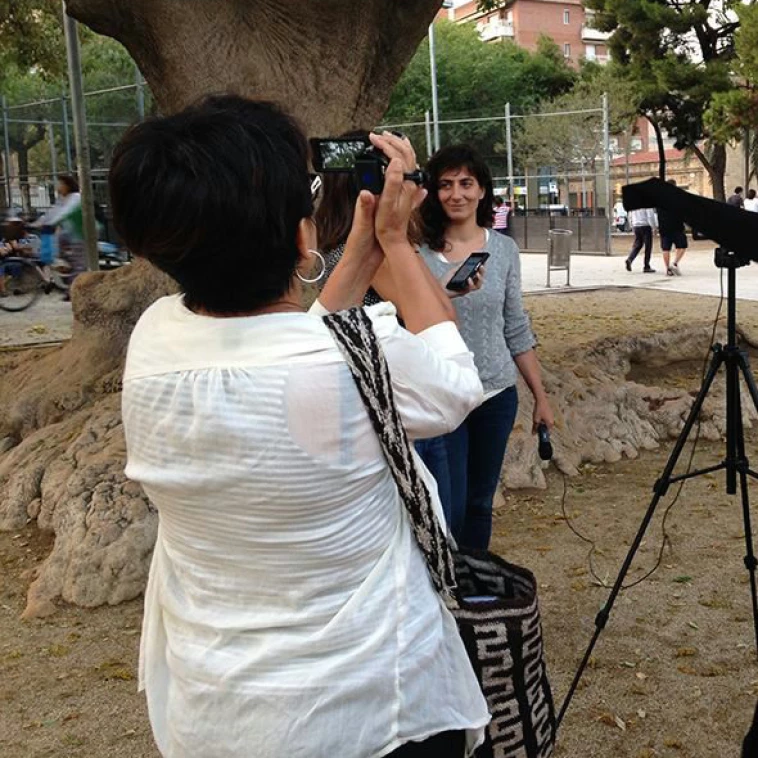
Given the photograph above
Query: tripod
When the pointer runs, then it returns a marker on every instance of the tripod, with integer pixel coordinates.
(735, 464)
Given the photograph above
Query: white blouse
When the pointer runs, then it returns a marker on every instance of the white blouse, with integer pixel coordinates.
(288, 610)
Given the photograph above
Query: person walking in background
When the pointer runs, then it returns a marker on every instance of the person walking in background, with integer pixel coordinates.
(736, 199)
(620, 216)
(643, 222)
(502, 212)
(751, 201)
(673, 235)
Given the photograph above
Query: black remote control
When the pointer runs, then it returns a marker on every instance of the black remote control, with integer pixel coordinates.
(545, 447)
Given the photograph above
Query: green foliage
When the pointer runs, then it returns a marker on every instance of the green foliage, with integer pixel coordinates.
(731, 112)
(31, 37)
(107, 64)
(568, 143)
(477, 79)
(33, 68)
(733, 115)
(679, 54)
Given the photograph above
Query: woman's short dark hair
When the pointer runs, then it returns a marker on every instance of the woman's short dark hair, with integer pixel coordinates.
(751, 194)
(213, 196)
(434, 220)
(70, 183)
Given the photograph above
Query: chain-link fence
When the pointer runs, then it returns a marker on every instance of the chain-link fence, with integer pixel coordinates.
(38, 144)
(554, 167)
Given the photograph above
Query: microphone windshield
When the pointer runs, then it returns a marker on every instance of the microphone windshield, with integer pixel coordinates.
(734, 229)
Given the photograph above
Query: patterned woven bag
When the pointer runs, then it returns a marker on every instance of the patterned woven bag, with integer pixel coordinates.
(493, 601)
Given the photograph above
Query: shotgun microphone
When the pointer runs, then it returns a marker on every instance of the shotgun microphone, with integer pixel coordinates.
(731, 227)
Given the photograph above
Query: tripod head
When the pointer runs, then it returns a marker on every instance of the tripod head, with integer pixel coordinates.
(723, 258)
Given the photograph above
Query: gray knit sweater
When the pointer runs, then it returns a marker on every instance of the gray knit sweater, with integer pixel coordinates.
(492, 321)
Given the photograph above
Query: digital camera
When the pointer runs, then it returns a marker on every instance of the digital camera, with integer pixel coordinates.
(357, 156)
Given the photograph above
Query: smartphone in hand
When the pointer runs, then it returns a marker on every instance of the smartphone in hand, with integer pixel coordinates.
(468, 268)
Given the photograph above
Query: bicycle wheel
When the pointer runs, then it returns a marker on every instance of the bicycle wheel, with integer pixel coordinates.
(23, 284)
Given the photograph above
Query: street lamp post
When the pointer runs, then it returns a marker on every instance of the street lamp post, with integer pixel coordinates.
(433, 73)
(80, 139)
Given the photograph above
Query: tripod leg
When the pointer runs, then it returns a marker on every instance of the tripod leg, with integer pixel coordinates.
(749, 378)
(742, 467)
(750, 561)
(660, 489)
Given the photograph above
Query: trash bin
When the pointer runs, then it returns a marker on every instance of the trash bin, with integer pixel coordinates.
(559, 252)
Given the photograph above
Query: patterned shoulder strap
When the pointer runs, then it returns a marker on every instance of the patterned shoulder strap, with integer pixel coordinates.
(355, 337)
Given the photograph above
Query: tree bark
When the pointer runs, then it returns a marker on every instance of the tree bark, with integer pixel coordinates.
(661, 148)
(332, 64)
(715, 164)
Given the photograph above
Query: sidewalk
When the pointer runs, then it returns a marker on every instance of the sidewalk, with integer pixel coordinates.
(699, 274)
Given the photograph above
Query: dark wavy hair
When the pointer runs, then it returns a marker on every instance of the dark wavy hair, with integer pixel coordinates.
(434, 220)
(213, 196)
(334, 214)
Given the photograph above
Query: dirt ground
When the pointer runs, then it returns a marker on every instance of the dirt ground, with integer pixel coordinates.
(673, 675)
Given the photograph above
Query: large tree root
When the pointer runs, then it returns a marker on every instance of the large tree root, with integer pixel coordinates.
(67, 469)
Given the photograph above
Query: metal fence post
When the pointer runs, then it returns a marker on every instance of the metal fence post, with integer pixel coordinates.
(435, 102)
(607, 170)
(53, 152)
(66, 134)
(509, 149)
(428, 128)
(140, 93)
(82, 142)
(7, 155)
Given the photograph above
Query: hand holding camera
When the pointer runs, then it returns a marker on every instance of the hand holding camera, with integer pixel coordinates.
(400, 195)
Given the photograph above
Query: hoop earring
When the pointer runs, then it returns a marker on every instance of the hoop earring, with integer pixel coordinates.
(320, 276)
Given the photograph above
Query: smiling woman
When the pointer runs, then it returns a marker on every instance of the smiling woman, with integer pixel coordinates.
(456, 217)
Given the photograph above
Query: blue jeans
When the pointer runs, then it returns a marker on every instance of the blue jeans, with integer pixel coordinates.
(466, 464)
(433, 452)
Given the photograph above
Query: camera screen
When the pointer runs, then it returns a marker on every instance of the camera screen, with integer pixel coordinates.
(339, 155)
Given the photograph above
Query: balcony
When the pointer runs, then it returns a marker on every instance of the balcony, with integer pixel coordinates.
(593, 35)
(496, 30)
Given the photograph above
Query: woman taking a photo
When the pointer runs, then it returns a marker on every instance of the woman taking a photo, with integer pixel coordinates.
(456, 219)
(289, 611)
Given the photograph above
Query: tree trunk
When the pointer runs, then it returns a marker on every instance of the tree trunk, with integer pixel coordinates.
(714, 163)
(333, 64)
(661, 148)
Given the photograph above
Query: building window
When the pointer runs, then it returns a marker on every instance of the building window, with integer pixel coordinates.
(566, 50)
(566, 17)
(590, 52)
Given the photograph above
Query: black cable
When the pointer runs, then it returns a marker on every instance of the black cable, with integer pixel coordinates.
(665, 539)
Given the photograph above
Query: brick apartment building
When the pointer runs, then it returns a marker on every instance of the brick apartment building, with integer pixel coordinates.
(523, 21)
